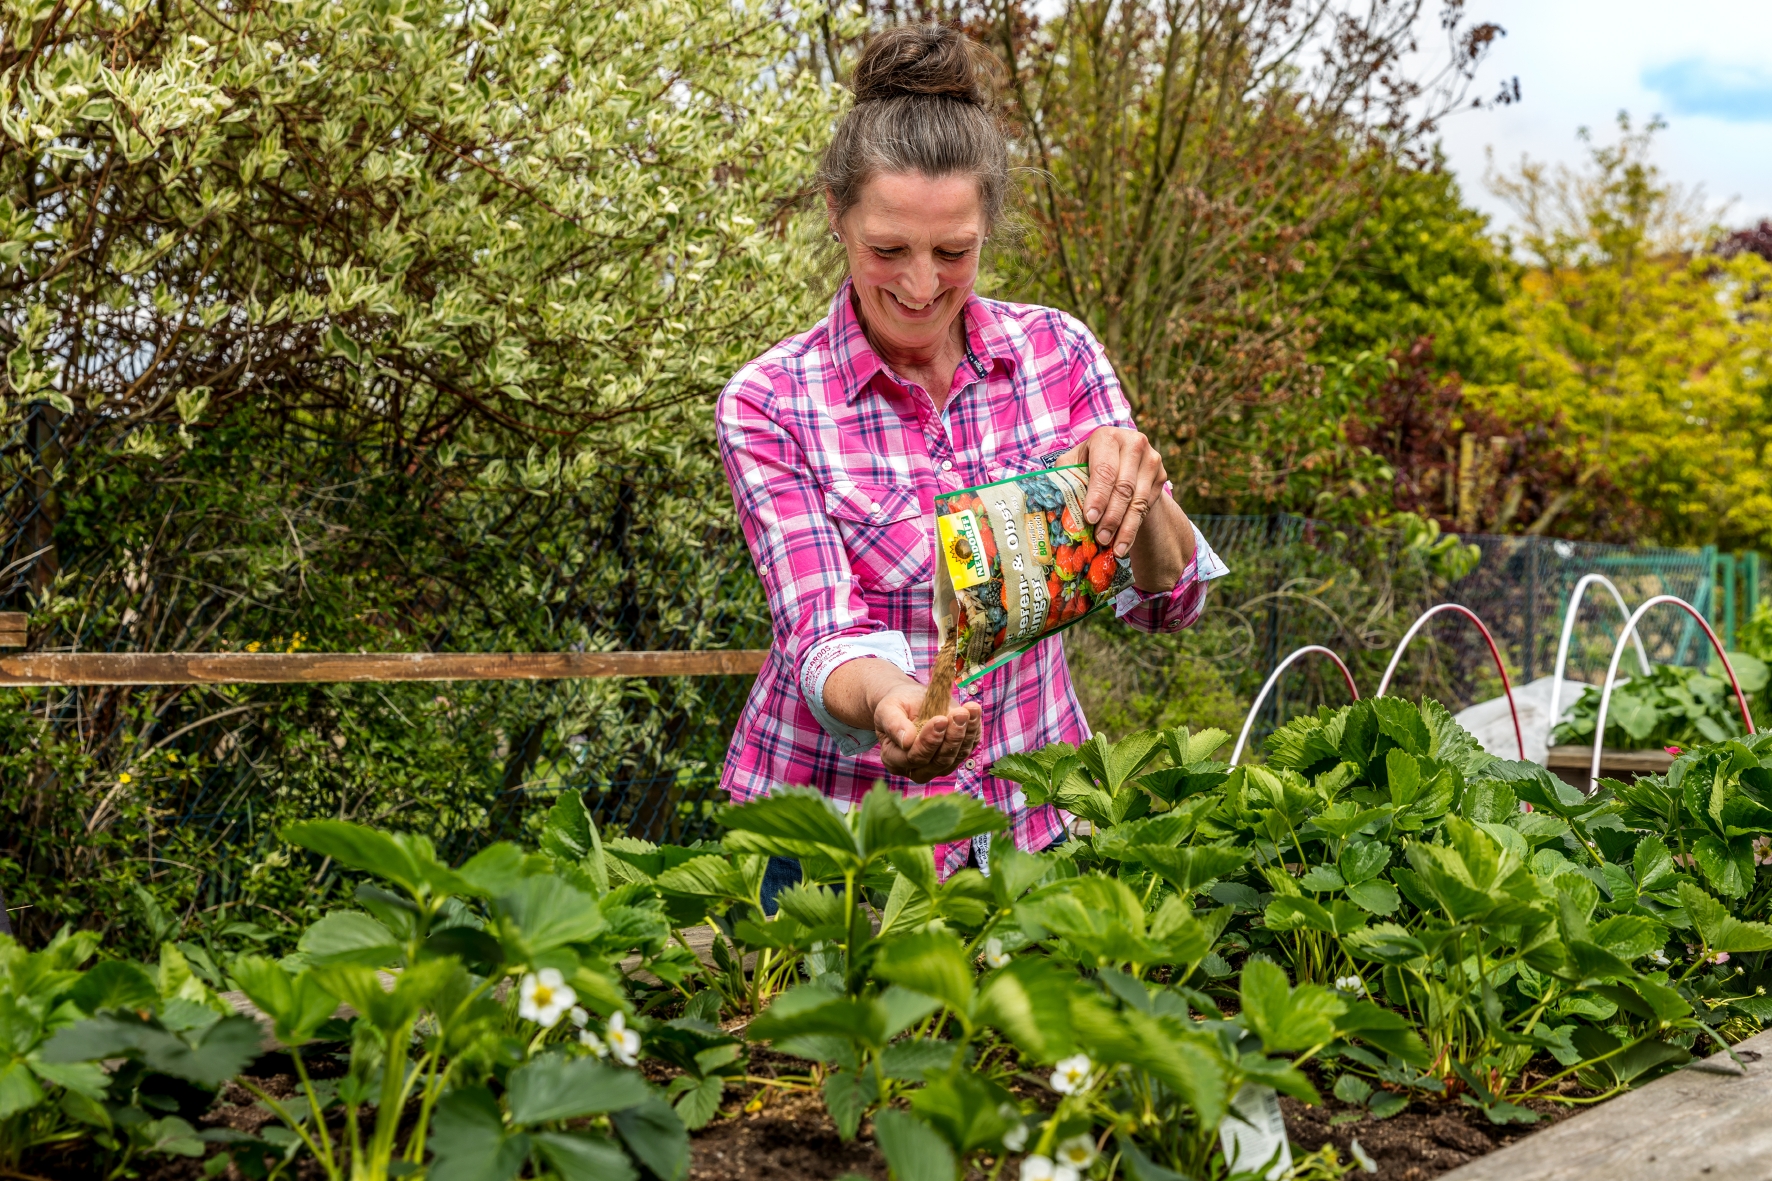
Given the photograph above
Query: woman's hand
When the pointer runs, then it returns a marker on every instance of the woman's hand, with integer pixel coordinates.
(874, 694)
(1126, 478)
(1125, 493)
(936, 748)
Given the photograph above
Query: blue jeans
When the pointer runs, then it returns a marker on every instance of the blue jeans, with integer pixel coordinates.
(781, 873)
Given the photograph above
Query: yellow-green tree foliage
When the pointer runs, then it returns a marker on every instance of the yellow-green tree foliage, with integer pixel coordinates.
(448, 220)
(1653, 351)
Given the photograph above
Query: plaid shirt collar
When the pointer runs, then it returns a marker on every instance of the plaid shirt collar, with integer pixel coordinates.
(857, 363)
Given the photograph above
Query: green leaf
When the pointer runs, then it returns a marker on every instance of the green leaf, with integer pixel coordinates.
(115, 984)
(1728, 865)
(349, 937)
(468, 1136)
(655, 1135)
(1286, 1019)
(966, 1109)
(547, 913)
(1320, 879)
(554, 1087)
(697, 1100)
(914, 1151)
(1029, 1002)
(847, 1096)
(18, 1089)
(208, 1057)
(297, 1005)
(581, 1157)
(407, 860)
(570, 834)
(810, 1011)
(815, 907)
(1721, 930)
(1377, 897)
(496, 869)
(1361, 861)
(881, 825)
(930, 962)
(1113, 763)
(911, 1059)
(791, 822)
(954, 816)
(1192, 868)
(1337, 918)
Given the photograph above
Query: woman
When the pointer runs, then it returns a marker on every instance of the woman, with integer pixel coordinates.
(836, 442)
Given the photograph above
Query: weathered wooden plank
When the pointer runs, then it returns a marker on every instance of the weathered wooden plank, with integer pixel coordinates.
(13, 629)
(1708, 1122)
(275, 668)
(1582, 757)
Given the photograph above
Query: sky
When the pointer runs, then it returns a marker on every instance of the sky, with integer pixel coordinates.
(1703, 66)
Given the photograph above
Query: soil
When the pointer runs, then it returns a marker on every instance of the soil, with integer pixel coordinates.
(790, 1137)
(1422, 1141)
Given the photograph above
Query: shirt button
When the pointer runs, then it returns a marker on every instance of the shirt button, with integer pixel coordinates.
(947, 465)
(874, 507)
(971, 764)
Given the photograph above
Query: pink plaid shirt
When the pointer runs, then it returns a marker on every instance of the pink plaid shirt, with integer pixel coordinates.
(835, 462)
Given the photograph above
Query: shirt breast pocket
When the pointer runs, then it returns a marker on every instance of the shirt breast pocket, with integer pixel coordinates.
(885, 533)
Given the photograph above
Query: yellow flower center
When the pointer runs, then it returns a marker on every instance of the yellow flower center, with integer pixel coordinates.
(544, 995)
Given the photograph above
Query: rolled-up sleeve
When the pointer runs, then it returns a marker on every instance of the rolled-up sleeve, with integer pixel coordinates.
(820, 619)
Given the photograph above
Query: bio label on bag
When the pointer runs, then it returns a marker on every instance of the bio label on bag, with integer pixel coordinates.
(1018, 564)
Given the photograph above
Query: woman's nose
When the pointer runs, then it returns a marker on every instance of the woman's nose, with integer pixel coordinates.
(921, 280)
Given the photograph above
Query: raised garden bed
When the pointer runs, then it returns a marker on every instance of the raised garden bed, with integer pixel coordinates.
(1369, 924)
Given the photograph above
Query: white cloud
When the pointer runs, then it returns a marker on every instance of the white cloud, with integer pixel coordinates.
(1581, 62)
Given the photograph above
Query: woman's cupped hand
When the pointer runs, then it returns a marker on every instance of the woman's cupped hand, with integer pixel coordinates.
(932, 750)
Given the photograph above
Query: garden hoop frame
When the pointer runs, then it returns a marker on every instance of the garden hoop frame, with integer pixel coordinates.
(1575, 597)
(1507, 685)
(1273, 678)
(1630, 628)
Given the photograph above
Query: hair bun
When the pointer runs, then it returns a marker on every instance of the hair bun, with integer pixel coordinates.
(924, 61)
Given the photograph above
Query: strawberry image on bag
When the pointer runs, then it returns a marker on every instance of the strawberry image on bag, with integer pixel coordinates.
(1015, 563)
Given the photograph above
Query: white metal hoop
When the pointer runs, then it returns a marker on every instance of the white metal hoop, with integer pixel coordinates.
(1630, 627)
(1575, 597)
(1249, 722)
(1507, 686)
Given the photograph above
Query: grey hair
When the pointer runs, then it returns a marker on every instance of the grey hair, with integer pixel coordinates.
(924, 102)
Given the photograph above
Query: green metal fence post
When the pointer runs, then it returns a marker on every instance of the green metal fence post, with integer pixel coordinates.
(1750, 583)
(1725, 576)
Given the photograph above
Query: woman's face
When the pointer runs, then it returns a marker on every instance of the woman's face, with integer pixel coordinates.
(913, 244)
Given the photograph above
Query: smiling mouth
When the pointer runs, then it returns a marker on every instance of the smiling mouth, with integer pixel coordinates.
(909, 306)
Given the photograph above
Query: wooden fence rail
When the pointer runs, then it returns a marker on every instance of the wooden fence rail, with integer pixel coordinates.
(280, 668)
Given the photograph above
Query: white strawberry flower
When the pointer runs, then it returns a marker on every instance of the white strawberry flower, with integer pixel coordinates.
(994, 955)
(1073, 1074)
(624, 1043)
(544, 997)
(1016, 1138)
(1044, 1168)
(1350, 984)
(593, 1043)
(1078, 1152)
(578, 1016)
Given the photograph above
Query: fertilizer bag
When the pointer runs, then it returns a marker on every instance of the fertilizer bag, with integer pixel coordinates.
(1016, 562)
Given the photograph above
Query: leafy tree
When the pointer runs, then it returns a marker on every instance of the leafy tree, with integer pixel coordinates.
(1185, 157)
(1650, 350)
(426, 221)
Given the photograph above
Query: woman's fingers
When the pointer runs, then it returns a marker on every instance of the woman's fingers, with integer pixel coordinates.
(938, 747)
(1125, 478)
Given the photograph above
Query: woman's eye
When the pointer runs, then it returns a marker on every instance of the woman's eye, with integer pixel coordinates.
(888, 251)
(951, 255)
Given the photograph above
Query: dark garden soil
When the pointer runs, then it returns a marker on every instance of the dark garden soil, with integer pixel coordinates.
(778, 1134)
(1422, 1141)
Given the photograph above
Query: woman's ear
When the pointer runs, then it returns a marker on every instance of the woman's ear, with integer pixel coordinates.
(831, 217)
